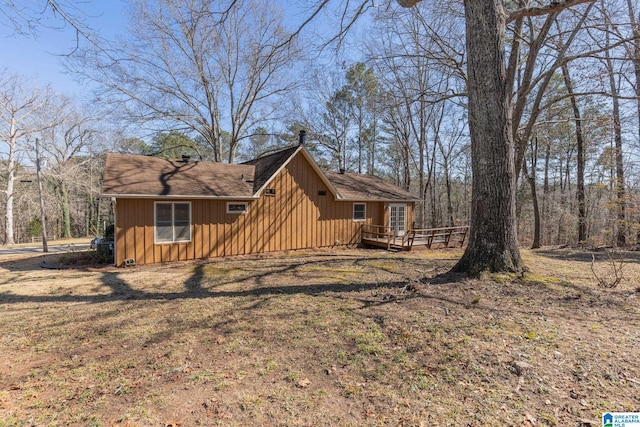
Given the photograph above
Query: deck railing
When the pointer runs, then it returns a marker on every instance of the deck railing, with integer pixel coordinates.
(442, 235)
(35, 239)
(428, 237)
(379, 233)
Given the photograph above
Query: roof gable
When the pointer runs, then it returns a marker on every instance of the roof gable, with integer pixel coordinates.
(266, 167)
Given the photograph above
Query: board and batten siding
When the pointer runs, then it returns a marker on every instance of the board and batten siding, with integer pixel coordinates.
(296, 217)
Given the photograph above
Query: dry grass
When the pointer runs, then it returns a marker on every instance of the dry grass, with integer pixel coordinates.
(342, 337)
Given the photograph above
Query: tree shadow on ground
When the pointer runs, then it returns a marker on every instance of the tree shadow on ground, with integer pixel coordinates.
(258, 282)
(334, 275)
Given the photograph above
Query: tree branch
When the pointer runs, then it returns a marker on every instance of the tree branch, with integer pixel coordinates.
(554, 6)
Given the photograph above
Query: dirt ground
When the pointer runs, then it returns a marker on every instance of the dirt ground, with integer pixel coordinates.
(318, 338)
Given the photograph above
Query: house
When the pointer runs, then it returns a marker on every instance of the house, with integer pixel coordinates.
(170, 210)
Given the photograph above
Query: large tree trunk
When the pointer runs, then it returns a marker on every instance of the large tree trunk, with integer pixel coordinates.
(493, 240)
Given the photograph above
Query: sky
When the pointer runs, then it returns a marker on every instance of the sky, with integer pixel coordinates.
(39, 56)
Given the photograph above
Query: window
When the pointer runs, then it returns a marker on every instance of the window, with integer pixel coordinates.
(270, 191)
(322, 192)
(359, 211)
(173, 222)
(236, 207)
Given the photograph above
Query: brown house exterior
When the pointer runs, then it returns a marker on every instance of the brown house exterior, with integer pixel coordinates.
(171, 210)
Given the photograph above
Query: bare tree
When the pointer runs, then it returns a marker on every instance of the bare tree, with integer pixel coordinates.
(185, 67)
(633, 49)
(580, 149)
(493, 243)
(20, 107)
(28, 18)
(418, 64)
(621, 237)
(634, 52)
(329, 116)
(68, 148)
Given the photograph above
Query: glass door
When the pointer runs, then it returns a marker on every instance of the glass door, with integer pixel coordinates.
(398, 218)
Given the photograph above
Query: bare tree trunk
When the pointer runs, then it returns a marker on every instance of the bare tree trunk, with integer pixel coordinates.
(617, 136)
(493, 240)
(620, 203)
(450, 221)
(580, 195)
(531, 178)
(43, 216)
(545, 191)
(66, 214)
(635, 55)
(11, 177)
(635, 28)
(537, 226)
(434, 202)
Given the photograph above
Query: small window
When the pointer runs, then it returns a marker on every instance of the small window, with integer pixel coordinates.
(359, 211)
(236, 207)
(270, 191)
(173, 222)
(322, 192)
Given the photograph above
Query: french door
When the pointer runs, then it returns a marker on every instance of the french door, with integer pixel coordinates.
(398, 218)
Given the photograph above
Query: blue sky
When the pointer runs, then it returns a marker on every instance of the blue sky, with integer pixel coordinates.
(38, 57)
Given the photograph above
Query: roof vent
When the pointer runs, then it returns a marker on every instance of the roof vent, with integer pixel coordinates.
(186, 158)
(301, 136)
(342, 171)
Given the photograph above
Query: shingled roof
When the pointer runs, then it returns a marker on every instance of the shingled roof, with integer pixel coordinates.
(366, 187)
(267, 166)
(144, 176)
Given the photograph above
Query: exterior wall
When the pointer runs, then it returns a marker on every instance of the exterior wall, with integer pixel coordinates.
(297, 217)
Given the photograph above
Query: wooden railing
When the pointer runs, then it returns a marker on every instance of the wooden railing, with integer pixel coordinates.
(35, 239)
(378, 233)
(443, 235)
(386, 236)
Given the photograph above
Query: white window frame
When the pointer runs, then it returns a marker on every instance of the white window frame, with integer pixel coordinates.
(364, 212)
(234, 212)
(174, 239)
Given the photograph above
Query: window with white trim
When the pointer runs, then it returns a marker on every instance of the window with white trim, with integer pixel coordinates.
(236, 207)
(359, 211)
(173, 222)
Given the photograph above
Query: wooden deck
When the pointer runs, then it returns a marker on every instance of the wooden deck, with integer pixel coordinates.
(429, 238)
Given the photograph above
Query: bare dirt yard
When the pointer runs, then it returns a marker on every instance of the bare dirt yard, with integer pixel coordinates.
(318, 338)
